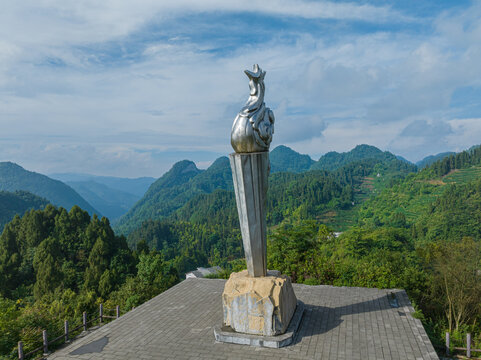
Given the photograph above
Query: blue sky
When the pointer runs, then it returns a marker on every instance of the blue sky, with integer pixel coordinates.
(128, 88)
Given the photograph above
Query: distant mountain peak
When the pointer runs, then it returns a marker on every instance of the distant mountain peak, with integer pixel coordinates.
(14, 177)
(184, 166)
(189, 168)
(283, 158)
(366, 147)
(10, 165)
(176, 187)
(181, 172)
(219, 162)
(282, 148)
(334, 160)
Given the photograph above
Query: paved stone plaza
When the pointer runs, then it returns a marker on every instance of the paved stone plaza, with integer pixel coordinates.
(339, 323)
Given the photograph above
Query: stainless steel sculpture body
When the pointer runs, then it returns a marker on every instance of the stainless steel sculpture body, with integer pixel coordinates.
(250, 137)
(254, 125)
(255, 302)
(250, 172)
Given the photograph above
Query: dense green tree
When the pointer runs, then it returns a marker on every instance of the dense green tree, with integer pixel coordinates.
(10, 261)
(293, 248)
(142, 247)
(9, 326)
(47, 264)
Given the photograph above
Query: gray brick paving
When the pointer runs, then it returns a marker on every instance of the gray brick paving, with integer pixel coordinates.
(339, 323)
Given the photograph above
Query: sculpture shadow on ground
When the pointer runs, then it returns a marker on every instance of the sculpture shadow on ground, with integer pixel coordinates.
(322, 319)
(95, 346)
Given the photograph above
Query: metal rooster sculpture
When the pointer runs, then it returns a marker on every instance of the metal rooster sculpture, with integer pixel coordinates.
(254, 125)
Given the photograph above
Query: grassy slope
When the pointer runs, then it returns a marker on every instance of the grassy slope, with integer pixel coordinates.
(341, 220)
(372, 185)
(415, 195)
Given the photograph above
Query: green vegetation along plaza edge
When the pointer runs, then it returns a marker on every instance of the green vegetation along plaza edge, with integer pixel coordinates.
(417, 231)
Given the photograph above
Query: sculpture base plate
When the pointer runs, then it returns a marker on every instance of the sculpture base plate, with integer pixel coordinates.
(227, 335)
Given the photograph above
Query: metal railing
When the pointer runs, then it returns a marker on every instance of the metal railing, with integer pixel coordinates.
(468, 348)
(66, 336)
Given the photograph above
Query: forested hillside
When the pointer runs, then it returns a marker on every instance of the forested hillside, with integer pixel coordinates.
(174, 189)
(16, 203)
(401, 229)
(13, 177)
(419, 192)
(419, 232)
(184, 183)
(186, 193)
(206, 228)
(283, 158)
(307, 195)
(56, 264)
(422, 234)
(303, 194)
(334, 160)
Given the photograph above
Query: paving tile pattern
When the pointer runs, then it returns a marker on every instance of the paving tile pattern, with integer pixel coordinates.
(339, 323)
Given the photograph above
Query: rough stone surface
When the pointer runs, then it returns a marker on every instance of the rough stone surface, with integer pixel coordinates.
(339, 323)
(258, 305)
(226, 334)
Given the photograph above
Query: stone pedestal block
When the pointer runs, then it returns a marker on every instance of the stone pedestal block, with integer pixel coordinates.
(258, 305)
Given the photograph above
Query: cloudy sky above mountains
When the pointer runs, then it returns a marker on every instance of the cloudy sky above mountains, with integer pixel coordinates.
(128, 88)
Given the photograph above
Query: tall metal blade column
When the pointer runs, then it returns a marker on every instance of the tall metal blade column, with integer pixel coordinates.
(250, 172)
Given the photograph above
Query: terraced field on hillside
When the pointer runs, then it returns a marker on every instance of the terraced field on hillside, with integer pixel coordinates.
(464, 175)
(411, 199)
(341, 220)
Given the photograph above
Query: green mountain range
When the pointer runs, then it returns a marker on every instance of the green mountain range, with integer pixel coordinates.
(174, 189)
(14, 177)
(334, 160)
(283, 158)
(187, 193)
(16, 203)
(397, 227)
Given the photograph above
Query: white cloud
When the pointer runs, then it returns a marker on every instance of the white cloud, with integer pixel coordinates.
(422, 137)
(342, 136)
(466, 133)
(62, 85)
